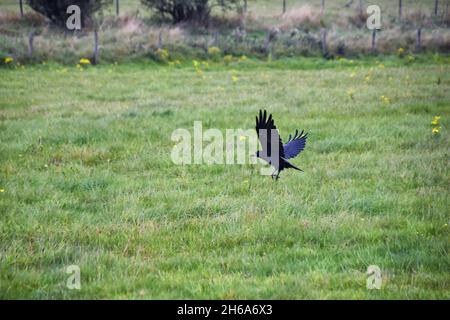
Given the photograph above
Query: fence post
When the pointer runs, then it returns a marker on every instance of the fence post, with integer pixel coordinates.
(216, 39)
(374, 40)
(160, 40)
(446, 11)
(30, 43)
(419, 40)
(95, 60)
(324, 42)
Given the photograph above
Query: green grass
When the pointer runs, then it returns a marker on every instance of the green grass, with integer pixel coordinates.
(88, 180)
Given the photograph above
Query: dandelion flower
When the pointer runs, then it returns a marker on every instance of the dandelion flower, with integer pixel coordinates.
(85, 61)
(385, 99)
(436, 130)
(351, 93)
(436, 120)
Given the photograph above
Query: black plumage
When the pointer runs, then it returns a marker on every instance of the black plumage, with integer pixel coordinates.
(273, 150)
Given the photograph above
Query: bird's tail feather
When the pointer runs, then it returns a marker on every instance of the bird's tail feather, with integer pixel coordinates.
(290, 165)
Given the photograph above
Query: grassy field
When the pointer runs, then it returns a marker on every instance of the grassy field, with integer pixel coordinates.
(86, 179)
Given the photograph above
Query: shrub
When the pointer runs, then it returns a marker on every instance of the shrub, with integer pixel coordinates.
(188, 10)
(55, 11)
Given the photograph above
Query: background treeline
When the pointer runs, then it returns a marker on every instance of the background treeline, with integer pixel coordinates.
(174, 30)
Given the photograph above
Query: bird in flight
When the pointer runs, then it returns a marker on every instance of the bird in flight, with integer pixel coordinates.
(273, 150)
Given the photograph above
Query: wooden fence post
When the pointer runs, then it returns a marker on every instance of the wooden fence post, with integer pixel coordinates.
(160, 40)
(446, 11)
(419, 39)
(324, 42)
(95, 60)
(374, 40)
(30, 43)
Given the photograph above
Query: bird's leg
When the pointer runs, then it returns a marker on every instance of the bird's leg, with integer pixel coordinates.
(278, 175)
(273, 173)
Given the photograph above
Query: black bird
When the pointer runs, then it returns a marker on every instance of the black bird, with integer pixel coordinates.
(278, 154)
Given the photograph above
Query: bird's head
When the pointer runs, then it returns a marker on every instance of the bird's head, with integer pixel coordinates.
(257, 154)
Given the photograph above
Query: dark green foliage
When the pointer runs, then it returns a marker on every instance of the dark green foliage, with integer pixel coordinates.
(188, 10)
(56, 11)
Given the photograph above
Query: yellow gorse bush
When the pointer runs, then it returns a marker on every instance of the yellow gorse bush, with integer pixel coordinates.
(228, 59)
(212, 51)
(163, 54)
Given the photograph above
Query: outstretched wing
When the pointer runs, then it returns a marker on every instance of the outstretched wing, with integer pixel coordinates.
(270, 134)
(295, 145)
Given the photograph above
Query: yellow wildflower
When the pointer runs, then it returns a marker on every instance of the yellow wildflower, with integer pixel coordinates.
(242, 138)
(436, 120)
(234, 78)
(385, 99)
(9, 59)
(85, 61)
(2, 190)
(435, 130)
(351, 93)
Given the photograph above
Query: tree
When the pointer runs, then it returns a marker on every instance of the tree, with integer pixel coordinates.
(56, 11)
(188, 10)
